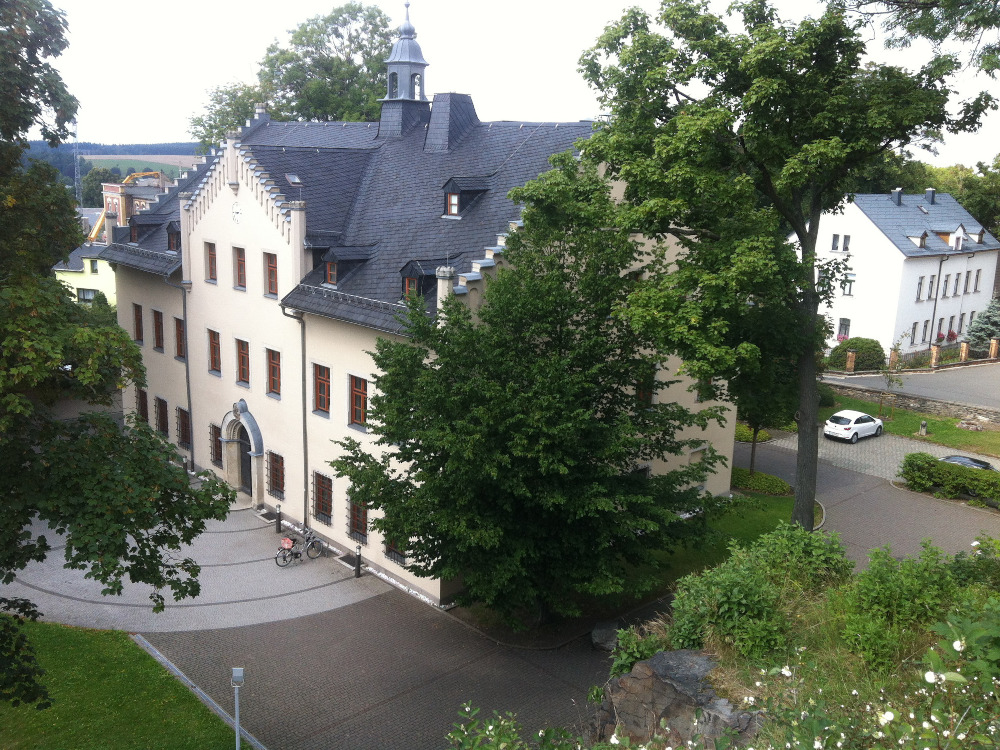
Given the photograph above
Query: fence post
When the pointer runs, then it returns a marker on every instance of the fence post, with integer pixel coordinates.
(963, 352)
(851, 354)
(935, 355)
(994, 346)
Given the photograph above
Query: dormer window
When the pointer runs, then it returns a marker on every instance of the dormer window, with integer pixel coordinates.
(462, 193)
(173, 241)
(133, 234)
(331, 273)
(411, 287)
(958, 241)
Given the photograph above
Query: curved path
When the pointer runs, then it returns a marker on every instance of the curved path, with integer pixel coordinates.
(331, 661)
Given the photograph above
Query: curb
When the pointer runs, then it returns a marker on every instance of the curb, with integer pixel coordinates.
(201, 694)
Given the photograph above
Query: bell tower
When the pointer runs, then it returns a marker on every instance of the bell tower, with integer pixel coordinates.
(405, 103)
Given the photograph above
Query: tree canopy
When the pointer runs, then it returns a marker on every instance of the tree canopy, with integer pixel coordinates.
(118, 495)
(91, 185)
(332, 68)
(734, 141)
(974, 24)
(511, 444)
(985, 327)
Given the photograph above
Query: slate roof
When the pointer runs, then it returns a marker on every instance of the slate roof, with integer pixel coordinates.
(917, 215)
(149, 253)
(88, 217)
(396, 187)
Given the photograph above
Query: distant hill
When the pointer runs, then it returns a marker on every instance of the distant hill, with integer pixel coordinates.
(93, 149)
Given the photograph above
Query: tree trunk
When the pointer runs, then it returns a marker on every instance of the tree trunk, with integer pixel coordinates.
(753, 450)
(808, 443)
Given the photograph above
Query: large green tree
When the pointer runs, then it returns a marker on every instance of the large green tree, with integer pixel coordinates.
(511, 443)
(91, 184)
(118, 495)
(229, 107)
(331, 68)
(730, 141)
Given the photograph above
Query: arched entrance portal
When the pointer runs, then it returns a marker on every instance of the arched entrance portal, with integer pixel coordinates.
(243, 448)
(246, 465)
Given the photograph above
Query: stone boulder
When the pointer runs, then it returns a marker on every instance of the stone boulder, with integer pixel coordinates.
(660, 697)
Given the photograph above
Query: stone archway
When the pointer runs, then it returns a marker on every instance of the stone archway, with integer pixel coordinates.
(243, 449)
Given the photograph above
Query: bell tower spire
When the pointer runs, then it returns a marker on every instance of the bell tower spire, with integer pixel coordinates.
(406, 65)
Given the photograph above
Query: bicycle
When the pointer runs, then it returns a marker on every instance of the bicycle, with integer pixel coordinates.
(292, 549)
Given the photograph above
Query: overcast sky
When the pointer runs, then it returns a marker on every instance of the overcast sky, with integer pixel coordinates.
(141, 70)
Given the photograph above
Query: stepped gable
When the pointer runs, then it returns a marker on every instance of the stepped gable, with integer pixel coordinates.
(149, 253)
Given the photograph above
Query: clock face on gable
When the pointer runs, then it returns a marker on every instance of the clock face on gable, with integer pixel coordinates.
(237, 213)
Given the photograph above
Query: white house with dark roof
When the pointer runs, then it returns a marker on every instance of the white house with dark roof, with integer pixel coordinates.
(257, 286)
(921, 268)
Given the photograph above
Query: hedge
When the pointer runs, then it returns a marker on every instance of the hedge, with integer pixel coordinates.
(744, 434)
(870, 354)
(767, 484)
(924, 472)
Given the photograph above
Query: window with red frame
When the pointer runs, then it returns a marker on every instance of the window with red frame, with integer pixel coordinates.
(357, 527)
(211, 262)
(215, 440)
(331, 273)
(158, 330)
(273, 372)
(137, 323)
(180, 342)
(239, 268)
(275, 475)
(321, 389)
(161, 416)
(242, 362)
(214, 352)
(271, 272)
(452, 204)
(359, 401)
(183, 428)
(173, 241)
(410, 287)
(322, 497)
(142, 404)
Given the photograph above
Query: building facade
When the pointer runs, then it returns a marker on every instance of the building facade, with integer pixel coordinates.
(920, 268)
(257, 286)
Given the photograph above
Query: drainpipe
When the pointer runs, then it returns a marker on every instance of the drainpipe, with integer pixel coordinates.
(937, 288)
(301, 318)
(187, 359)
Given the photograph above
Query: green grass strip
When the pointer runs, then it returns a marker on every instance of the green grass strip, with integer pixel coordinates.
(108, 694)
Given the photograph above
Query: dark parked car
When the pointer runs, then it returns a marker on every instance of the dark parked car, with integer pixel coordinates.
(969, 462)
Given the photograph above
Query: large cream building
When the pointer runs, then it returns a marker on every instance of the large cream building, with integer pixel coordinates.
(258, 284)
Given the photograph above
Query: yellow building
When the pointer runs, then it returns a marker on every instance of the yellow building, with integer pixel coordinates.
(257, 286)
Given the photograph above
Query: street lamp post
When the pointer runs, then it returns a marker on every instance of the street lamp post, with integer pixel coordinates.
(237, 683)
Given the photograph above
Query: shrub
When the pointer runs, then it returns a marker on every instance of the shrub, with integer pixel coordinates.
(923, 472)
(886, 600)
(767, 484)
(634, 646)
(791, 554)
(827, 396)
(744, 434)
(733, 603)
(870, 354)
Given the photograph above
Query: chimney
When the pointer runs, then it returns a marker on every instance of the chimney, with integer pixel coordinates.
(929, 195)
(897, 196)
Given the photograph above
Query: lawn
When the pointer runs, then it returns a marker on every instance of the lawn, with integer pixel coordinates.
(940, 430)
(762, 513)
(108, 693)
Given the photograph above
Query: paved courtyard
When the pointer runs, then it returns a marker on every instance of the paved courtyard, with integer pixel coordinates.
(331, 661)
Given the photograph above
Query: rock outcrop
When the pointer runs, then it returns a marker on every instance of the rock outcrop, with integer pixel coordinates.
(660, 697)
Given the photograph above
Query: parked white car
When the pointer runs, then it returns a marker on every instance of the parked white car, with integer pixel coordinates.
(851, 425)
